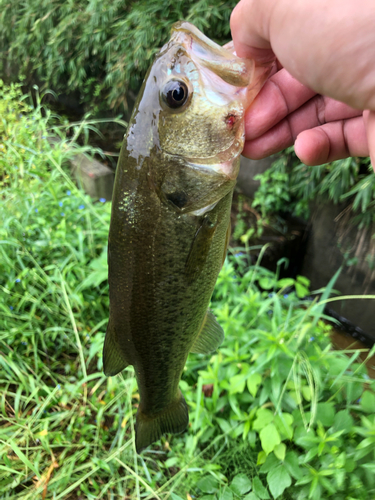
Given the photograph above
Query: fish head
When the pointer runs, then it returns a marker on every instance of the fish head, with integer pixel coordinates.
(195, 95)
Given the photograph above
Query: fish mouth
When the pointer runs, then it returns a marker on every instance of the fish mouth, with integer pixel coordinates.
(232, 69)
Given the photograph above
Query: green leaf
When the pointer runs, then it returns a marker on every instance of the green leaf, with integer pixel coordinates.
(251, 496)
(270, 463)
(280, 451)
(370, 467)
(284, 423)
(305, 281)
(176, 497)
(301, 290)
(259, 489)
(241, 484)
(368, 402)
(262, 457)
(343, 421)
(264, 417)
(226, 494)
(266, 283)
(285, 282)
(325, 413)
(292, 465)
(208, 484)
(269, 438)
(237, 384)
(253, 383)
(278, 480)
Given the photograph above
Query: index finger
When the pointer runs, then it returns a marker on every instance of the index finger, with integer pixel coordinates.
(250, 38)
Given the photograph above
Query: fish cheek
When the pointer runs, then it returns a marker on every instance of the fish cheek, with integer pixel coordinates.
(197, 132)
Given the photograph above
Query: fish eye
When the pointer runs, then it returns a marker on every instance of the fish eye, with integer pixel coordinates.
(175, 93)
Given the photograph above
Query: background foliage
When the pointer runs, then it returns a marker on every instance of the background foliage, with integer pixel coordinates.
(275, 412)
(101, 50)
(289, 186)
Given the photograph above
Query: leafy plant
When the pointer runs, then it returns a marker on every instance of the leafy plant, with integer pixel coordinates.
(275, 412)
(289, 186)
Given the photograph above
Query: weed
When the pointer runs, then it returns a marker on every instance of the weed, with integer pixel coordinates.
(275, 412)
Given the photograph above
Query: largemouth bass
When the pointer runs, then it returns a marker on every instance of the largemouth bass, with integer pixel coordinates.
(170, 222)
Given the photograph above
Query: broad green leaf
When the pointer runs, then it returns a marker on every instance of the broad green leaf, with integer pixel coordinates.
(305, 281)
(301, 290)
(270, 463)
(208, 484)
(280, 451)
(285, 282)
(306, 392)
(253, 383)
(325, 413)
(343, 421)
(226, 494)
(262, 457)
(368, 402)
(259, 489)
(241, 484)
(284, 423)
(292, 465)
(266, 283)
(264, 417)
(237, 384)
(278, 480)
(251, 496)
(269, 438)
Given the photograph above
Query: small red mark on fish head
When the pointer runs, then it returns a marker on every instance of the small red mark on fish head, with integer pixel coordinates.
(230, 120)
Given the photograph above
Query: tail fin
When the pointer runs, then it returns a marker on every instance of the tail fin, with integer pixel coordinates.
(149, 428)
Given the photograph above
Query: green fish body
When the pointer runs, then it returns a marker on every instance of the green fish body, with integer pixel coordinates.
(170, 220)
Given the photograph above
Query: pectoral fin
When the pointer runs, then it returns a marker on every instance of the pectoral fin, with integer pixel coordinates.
(113, 359)
(211, 335)
(227, 239)
(199, 249)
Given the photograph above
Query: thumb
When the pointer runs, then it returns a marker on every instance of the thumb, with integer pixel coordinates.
(369, 119)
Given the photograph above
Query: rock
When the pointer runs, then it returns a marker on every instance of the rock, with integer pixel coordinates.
(249, 169)
(336, 241)
(95, 178)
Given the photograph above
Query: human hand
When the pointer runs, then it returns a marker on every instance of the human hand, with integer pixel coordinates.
(285, 110)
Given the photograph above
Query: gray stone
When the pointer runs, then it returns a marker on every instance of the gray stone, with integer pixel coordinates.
(249, 169)
(335, 241)
(95, 178)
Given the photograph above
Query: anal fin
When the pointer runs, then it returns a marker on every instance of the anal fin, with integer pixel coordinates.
(149, 428)
(113, 359)
(211, 335)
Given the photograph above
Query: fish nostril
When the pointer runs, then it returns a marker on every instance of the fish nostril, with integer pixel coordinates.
(230, 120)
